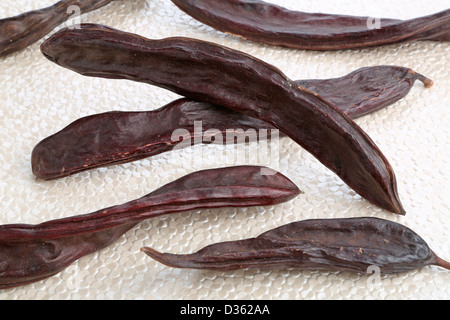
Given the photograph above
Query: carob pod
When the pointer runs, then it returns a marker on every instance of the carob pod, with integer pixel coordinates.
(208, 72)
(29, 253)
(271, 24)
(19, 32)
(119, 137)
(354, 245)
(368, 89)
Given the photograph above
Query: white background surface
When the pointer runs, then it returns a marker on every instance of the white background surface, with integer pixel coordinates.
(40, 98)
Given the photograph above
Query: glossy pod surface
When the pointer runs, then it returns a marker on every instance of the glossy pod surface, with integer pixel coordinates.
(119, 137)
(260, 21)
(207, 72)
(354, 245)
(19, 32)
(29, 253)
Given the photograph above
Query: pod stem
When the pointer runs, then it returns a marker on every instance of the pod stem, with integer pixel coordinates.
(426, 81)
(442, 263)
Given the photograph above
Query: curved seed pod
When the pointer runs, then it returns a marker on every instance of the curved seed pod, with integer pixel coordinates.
(29, 253)
(208, 72)
(334, 245)
(19, 32)
(271, 24)
(119, 137)
(368, 89)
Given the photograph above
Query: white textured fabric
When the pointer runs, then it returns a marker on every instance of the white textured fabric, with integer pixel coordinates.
(39, 98)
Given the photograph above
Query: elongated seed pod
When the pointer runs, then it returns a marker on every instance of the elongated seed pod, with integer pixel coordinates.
(208, 72)
(354, 244)
(271, 24)
(368, 89)
(19, 32)
(119, 137)
(29, 253)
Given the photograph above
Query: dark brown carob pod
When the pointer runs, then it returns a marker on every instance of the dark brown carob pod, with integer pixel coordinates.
(208, 72)
(19, 32)
(29, 253)
(263, 22)
(368, 89)
(118, 137)
(354, 245)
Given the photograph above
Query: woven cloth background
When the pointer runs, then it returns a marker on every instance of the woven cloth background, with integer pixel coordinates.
(40, 98)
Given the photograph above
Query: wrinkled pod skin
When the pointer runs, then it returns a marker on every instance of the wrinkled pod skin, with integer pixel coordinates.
(119, 137)
(29, 253)
(19, 32)
(263, 22)
(211, 73)
(353, 245)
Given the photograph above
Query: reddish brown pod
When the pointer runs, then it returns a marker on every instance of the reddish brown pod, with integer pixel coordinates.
(215, 74)
(118, 137)
(353, 245)
(29, 253)
(368, 89)
(19, 32)
(263, 22)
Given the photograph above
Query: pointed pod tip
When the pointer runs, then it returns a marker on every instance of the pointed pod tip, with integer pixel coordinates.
(148, 251)
(401, 211)
(393, 202)
(173, 260)
(156, 255)
(394, 205)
